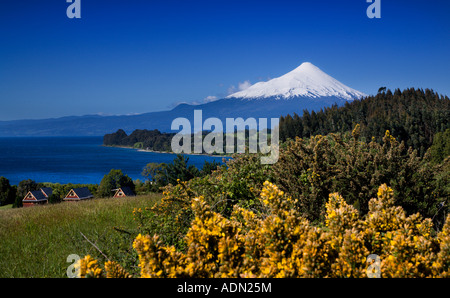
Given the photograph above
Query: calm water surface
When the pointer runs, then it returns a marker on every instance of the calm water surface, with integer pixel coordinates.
(75, 159)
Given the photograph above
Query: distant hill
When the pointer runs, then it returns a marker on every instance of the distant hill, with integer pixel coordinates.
(306, 87)
(140, 139)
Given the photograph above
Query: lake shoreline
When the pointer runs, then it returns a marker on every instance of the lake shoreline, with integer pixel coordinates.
(76, 160)
(165, 152)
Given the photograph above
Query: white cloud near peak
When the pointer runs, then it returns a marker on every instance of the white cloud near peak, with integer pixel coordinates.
(244, 85)
(241, 87)
(210, 98)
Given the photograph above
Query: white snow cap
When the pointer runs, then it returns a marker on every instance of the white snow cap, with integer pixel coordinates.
(307, 80)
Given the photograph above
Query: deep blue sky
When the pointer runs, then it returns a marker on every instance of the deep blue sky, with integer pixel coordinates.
(138, 56)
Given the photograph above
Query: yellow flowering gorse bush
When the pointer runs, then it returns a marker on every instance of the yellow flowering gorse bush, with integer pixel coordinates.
(279, 242)
(88, 267)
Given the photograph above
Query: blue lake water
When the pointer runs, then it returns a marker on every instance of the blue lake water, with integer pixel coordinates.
(75, 159)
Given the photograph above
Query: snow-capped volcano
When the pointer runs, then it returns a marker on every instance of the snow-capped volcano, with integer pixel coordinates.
(307, 80)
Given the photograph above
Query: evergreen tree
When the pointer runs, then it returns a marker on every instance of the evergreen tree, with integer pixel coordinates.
(180, 171)
(113, 180)
(441, 147)
(7, 192)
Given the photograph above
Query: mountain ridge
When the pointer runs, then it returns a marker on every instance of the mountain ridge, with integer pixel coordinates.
(305, 77)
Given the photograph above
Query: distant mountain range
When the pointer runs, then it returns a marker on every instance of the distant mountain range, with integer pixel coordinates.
(306, 87)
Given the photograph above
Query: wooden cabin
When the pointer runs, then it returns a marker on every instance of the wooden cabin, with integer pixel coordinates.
(37, 197)
(78, 194)
(124, 192)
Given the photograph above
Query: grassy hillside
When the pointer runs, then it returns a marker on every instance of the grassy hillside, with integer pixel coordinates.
(35, 242)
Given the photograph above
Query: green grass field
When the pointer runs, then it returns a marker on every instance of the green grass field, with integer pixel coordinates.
(6, 207)
(36, 241)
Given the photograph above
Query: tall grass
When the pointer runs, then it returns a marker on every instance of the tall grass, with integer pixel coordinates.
(35, 242)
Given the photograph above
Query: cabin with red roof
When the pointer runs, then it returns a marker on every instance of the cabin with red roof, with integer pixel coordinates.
(124, 192)
(37, 197)
(78, 194)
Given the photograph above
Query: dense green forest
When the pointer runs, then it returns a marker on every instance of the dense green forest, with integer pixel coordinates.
(412, 116)
(140, 138)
